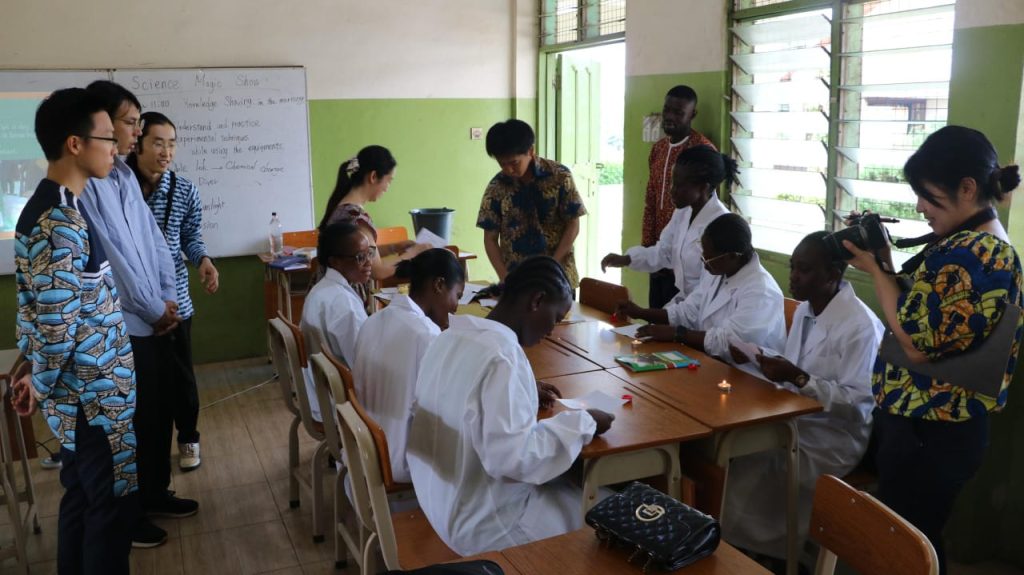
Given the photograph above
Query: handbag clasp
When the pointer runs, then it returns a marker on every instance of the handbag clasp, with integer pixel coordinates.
(648, 512)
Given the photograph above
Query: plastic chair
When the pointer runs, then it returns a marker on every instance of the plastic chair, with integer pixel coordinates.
(13, 496)
(601, 295)
(859, 529)
(789, 306)
(289, 357)
(392, 235)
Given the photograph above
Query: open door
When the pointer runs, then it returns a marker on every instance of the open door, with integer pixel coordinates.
(577, 120)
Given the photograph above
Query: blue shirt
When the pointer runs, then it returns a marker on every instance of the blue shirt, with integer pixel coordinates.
(182, 229)
(137, 251)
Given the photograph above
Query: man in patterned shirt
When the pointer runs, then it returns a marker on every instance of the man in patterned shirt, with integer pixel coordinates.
(178, 210)
(531, 207)
(676, 115)
(71, 331)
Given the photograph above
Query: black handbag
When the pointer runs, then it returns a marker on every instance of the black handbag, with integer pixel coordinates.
(668, 533)
(478, 567)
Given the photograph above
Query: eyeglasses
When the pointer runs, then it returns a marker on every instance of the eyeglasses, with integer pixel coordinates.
(161, 145)
(362, 257)
(101, 138)
(708, 261)
(132, 123)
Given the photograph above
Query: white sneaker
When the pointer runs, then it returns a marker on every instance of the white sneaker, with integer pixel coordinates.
(189, 459)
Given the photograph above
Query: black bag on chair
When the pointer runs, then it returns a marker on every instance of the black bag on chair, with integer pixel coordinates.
(667, 533)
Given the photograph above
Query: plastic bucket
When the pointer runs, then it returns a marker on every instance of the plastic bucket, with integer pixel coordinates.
(437, 220)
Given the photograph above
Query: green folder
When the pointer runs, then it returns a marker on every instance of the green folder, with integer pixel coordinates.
(655, 361)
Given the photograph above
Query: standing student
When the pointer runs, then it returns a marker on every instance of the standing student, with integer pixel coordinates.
(334, 311)
(695, 179)
(391, 345)
(829, 353)
(71, 331)
(677, 113)
(175, 203)
(485, 470)
(531, 207)
(736, 299)
(144, 273)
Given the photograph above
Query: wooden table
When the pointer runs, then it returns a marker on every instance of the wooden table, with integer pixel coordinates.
(550, 360)
(579, 552)
(642, 441)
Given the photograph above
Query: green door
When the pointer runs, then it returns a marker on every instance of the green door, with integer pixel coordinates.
(577, 119)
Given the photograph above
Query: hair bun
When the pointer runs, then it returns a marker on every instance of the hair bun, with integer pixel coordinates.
(1008, 178)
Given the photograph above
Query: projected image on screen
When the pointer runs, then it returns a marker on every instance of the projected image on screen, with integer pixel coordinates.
(22, 164)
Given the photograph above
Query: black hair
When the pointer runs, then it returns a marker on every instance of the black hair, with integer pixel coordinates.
(509, 138)
(113, 96)
(817, 241)
(953, 153)
(150, 119)
(683, 93)
(354, 171)
(708, 166)
(62, 114)
(730, 233)
(537, 273)
(331, 240)
(434, 263)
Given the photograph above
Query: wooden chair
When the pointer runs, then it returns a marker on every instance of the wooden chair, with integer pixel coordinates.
(789, 306)
(297, 284)
(859, 529)
(406, 540)
(13, 496)
(602, 295)
(289, 357)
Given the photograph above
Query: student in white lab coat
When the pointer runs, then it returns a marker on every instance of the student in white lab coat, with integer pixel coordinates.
(485, 470)
(333, 311)
(829, 356)
(698, 173)
(392, 342)
(736, 298)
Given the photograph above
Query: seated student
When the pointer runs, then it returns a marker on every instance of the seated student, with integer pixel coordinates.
(392, 342)
(829, 355)
(333, 311)
(735, 299)
(485, 470)
(698, 173)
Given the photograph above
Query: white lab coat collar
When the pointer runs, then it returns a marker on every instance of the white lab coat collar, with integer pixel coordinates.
(749, 272)
(834, 314)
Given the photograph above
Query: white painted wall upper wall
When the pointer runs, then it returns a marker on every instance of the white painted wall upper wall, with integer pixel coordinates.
(351, 48)
(675, 36)
(977, 13)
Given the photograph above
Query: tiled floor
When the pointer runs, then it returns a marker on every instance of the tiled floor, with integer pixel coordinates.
(244, 525)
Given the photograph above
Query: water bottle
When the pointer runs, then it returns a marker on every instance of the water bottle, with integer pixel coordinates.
(276, 236)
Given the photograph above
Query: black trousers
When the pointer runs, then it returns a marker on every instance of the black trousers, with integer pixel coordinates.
(154, 411)
(94, 526)
(662, 288)
(186, 395)
(923, 465)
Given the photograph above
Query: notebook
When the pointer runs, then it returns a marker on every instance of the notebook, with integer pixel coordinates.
(655, 361)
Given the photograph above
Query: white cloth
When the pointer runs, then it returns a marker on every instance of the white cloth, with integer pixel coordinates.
(482, 465)
(678, 247)
(331, 317)
(388, 353)
(838, 354)
(747, 306)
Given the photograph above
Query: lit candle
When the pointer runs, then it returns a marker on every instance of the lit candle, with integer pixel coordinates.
(636, 345)
(725, 386)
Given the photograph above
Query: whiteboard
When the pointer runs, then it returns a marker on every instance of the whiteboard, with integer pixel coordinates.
(243, 139)
(22, 163)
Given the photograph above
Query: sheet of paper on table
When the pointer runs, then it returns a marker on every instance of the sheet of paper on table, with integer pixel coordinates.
(594, 400)
(469, 291)
(488, 302)
(425, 236)
(628, 330)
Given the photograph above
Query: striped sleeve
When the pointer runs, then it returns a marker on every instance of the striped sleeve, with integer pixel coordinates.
(191, 227)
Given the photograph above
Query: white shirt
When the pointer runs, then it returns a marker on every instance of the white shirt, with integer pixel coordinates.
(747, 306)
(480, 461)
(388, 352)
(679, 247)
(331, 316)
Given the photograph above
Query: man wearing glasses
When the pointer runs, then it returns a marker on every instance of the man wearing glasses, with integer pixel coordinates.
(145, 279)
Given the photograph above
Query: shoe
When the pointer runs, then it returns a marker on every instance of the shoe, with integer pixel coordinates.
(174, 507)
(51, 462)
(148, 535)
(189, 459)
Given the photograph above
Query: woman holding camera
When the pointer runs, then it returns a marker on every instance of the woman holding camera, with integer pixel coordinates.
(932, 435)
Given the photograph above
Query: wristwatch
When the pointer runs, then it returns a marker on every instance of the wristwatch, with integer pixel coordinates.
(801, 380)
(680, 333)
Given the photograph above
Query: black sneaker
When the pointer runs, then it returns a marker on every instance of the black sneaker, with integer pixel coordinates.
(147, 535)
(173, 506)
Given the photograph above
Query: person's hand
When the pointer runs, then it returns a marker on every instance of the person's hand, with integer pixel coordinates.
(862, 259)
(778, 369)
(169, 320)
(547, 394)
(615, 261)
(22, 399)
(603, 419)
(209, 276)
(737, 355)
(626, 309)
(413, 250)
(657, 332)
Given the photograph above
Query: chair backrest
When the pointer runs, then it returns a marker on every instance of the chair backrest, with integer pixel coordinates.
(303, 239)
(601, 295)
(392, 235)
(348, 386)
(789, 306)
(300, 341)
(864, 533)
(329, 392)
(285, 348)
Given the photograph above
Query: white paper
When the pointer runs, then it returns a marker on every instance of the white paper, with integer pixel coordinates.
(425, 236)
(628, 330)
(594, 400)
(573, 318)
(750, 350)
(386, 296)
(469, 291)
(488, 302)
(389, 290)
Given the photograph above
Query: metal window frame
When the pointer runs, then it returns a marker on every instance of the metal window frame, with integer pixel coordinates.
(588, 20)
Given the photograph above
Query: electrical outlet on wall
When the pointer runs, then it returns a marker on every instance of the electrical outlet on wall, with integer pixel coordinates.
(476, 133)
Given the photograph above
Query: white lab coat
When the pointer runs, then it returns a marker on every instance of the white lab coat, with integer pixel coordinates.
(678, 247)
(748, 306)
(838, 355)
(388, 352)
(331, 317)
(486, 472)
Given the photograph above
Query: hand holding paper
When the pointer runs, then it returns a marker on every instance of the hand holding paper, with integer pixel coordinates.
(594, 400)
